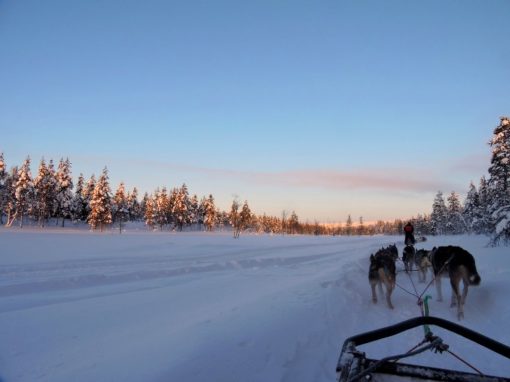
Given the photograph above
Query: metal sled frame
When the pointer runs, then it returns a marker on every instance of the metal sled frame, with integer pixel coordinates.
(354, 366)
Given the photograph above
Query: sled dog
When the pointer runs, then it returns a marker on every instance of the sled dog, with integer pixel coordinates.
(383, 271)
(408, 257)
(458, 264)
(422, 262)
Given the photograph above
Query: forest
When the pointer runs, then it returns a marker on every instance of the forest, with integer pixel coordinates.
(51, 197)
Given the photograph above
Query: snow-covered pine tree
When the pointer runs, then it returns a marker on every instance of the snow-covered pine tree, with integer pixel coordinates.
(209, 214)
(133, 205)
(471, 212)
(235, 219)
(88, 191)
(64, 190)
(439, 216)
(78, 204)
(483, 196)
(10, 195)
(44, 187)
(245, 218)
(498, 183)
(143, 205)
(161, 207)
(24, 191)
(180, 210)
(348, 225)
(3, 187)
(293, 223)
(149, 211)
(455, 223)
(194, 210)
(101, 204)
(120, 209)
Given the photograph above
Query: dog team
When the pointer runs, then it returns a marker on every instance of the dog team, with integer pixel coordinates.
(446, 261)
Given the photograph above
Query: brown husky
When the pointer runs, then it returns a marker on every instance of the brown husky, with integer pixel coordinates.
(458, 264)
(382, 271)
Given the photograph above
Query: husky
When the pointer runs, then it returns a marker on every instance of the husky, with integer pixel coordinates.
(458, 264)
(408, 257)
(383, 271)
(422, 262)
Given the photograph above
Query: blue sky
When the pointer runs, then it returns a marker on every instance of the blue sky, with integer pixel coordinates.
(327, 108)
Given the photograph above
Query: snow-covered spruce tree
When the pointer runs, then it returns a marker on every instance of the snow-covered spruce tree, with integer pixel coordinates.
(133, 205)
(180, 210)
(498, 183)
(149, 214)
(161, 208)
(3, 187)
(143, 205)
(88, 191)
(455, 223)
(245, 217)
(44, 187)
(483, 196)
(120, 210)
(471, 212)
(439, 216)
(293, 223)
(194, 210)
(101, 203)
(235, 220)
(348, 225)
(64, 197)
(10, 195)
(78, 204)
(209, 213)
(24, 191)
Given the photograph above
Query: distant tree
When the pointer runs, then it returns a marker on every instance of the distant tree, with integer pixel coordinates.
(194, 211)
(134, 208)
(498, 183)
(88, 191)
(361, 226)
(471, 212)
(180, 210)
(101, 203)
(348, 225)
(44, 189)
(483, 196)
(78, 204)
(209, 213)
(161, 208)
(245, 217)
(235, 220)
(24, 191)
(3, 187)
(10, 195)
(455, 222)
(64, 187)
(293, 223)
(439, 216)
(150, 207)
(120, 210)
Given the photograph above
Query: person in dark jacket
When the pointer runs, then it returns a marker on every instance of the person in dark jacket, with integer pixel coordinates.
(409, 234)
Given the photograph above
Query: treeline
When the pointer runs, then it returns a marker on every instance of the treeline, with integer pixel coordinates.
(52, 196)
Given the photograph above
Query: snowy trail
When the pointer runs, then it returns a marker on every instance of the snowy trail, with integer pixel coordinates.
(175, 307)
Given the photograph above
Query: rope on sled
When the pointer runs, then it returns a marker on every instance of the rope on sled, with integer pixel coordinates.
(438, 347)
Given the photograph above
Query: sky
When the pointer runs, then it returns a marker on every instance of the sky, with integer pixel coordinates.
(325, 108)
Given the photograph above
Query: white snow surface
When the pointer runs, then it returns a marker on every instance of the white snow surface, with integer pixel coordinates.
(146, 306)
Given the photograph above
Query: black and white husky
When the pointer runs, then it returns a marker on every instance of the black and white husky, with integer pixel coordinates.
(383, 271)
(408, 257)
(458, 264)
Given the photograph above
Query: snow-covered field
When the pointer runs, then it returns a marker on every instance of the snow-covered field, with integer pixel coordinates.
(81, 306)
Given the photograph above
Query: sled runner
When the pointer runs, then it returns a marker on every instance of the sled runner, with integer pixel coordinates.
(353, 365)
